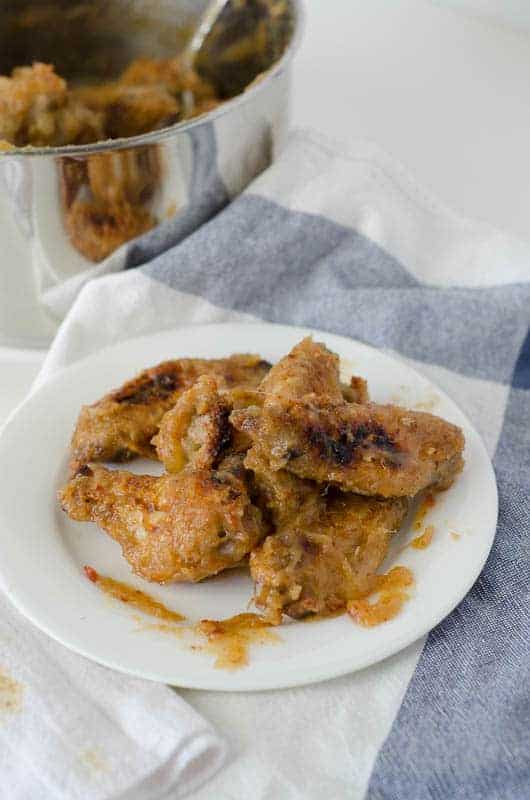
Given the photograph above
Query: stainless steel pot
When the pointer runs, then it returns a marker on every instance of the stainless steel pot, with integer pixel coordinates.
(53, 238)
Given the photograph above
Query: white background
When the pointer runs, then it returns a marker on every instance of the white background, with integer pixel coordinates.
(445, 92)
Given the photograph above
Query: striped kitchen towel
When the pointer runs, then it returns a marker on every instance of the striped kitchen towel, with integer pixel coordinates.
(343, 240)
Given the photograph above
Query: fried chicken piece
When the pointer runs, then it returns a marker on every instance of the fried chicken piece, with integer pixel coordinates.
(121, 425)
(369, 449)
(197, 430)
(182, 527)
(281, 495)
(356, 391)
(129, 110)
(310, 368)
(317, 566)
(197, 433)
(36, 109)
(174, 77)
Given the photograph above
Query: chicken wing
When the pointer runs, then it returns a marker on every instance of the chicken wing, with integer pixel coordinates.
(36, 109)
(368, 449)
(310, 368)
(317, 566)
(121, 425)
(197, 430)
(171, 528)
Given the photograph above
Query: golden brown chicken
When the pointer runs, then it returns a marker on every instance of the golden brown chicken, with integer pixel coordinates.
(36, 109)
(317, 566)
(129, 110)
(171, 528)
(174, 77)
(263, 462)
(197, 430)
(368, 449)
(121, 425)
(309, 368)
(327, 545)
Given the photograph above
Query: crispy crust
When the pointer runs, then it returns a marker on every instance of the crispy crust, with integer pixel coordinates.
(368, 449)
(37, 108)
(173, 528)
(317, 566)
(122, 424)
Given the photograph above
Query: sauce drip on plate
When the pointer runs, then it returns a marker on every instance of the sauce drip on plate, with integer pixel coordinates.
(133, 597)
(424, 540)
(425, 506)
(229, 639)
(391, 593)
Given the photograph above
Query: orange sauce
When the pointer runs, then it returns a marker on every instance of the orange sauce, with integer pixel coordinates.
(425, 506)
(11, 693)
(424, 540)
(229, 639)
(133, 597)
(391, 594)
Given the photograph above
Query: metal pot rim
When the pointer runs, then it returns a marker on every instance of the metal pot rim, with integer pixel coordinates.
(75, 150)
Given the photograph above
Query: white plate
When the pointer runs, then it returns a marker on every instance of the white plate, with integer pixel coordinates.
(42, 552)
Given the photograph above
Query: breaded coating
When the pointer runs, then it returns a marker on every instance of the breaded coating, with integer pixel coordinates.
(171, 528)
(197, 430)
(309, 368)
(36, 109)
(174, 77)
(356, 391)
(281, 495)
(129, 110)
(369, 449)
(318, 566)
(121, 425)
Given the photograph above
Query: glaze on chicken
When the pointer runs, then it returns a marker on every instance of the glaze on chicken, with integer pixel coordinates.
(182, 527)
(317, 564)
(368, 449)
(120, 426)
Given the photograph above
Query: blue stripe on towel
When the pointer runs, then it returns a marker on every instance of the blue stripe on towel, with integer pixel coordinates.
(291, 267)
(463, 730)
